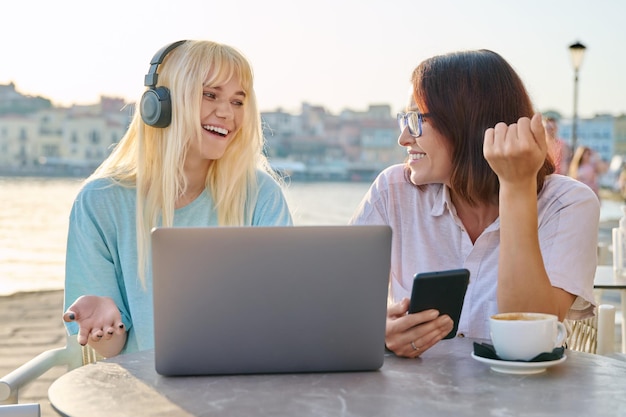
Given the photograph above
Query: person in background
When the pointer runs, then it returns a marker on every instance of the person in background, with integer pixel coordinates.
(621, 181)
(559, 149)
(476, 192)
(587, 167)
(205, 167)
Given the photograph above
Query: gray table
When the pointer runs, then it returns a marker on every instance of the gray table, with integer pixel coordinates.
(446, 381)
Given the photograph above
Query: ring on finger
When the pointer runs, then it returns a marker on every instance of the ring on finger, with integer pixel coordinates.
(413, 346)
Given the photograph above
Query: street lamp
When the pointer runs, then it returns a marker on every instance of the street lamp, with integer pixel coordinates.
(577, 51)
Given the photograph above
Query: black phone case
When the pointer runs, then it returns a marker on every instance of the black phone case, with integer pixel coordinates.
(441, 290)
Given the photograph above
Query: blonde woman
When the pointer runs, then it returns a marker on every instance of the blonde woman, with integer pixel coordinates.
(192, 156)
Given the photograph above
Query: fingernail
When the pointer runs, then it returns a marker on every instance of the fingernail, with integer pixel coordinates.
(121, 325)
(110, 332)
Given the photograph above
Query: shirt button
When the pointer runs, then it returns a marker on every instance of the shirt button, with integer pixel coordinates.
(460, 335)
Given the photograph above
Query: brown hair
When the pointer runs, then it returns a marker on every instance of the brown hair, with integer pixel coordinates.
(465, 93)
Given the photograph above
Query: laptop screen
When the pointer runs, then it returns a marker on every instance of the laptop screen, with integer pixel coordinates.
(240, 300)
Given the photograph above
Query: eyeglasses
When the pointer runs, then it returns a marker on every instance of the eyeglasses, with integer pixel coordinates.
(413, 120)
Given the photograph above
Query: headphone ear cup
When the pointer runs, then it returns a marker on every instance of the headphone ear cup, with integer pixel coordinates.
(156, 107)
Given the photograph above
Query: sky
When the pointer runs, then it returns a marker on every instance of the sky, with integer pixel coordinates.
(339, 54)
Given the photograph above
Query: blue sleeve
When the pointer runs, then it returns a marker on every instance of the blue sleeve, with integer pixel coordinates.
(92, 260)
(271, 207)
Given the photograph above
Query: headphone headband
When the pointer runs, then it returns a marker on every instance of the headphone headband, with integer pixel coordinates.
(156, 103)
(152, 77)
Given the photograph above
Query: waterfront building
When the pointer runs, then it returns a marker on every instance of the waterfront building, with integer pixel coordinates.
(36, 138)
(13, 102)
(57, 140)
(620, 135)
(316, 144)
(597, 133)
(19, 135)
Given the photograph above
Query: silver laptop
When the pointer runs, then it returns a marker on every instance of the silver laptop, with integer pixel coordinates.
(247, 300)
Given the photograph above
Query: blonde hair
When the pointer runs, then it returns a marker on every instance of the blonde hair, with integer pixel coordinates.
(577, 159)
(152, 159)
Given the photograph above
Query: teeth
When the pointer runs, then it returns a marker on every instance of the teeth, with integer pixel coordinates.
(215, 129)
(416, 156)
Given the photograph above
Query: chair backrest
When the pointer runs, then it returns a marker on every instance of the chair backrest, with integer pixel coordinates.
(595, 334)
(72, 355)
(20, 410)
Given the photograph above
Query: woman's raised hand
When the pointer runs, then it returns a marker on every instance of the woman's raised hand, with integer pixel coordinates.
(98, 320)
(517, 151)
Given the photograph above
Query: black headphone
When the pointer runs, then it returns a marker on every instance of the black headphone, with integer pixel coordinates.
(156, 104)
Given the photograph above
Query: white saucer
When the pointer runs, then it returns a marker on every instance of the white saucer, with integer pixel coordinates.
(518, 368)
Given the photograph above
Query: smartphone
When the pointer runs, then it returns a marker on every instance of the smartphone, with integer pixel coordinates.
(441, 290)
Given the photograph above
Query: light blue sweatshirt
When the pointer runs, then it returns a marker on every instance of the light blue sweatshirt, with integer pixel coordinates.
(101, 256)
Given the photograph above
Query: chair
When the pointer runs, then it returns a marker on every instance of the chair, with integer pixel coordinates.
(72, 355)
(595, 334)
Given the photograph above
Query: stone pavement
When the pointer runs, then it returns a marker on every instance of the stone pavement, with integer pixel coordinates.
(31, 323)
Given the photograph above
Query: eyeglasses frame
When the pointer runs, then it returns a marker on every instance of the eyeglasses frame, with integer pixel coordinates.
(403, 122)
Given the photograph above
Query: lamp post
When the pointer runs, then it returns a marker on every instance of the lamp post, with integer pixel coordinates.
(577, 51)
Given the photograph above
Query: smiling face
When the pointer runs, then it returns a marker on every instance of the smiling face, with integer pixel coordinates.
(221, 115)
(429, 157)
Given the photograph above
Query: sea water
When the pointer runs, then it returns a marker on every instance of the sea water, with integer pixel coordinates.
(34, 217)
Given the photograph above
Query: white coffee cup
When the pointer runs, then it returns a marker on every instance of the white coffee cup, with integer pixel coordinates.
(522, 336)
